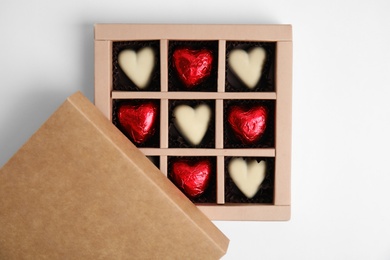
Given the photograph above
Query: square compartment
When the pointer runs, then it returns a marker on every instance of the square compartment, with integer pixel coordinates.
(177, 139)
(209, 83)
(154, 139)
(209, 195)
(265, 194)
(266, 83)
(266, 140)
(121, 81)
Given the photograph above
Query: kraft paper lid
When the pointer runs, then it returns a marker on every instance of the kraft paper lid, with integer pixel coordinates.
(78, 189)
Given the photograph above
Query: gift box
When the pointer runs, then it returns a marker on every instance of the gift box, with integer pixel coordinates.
(210, 104)
(78, 189)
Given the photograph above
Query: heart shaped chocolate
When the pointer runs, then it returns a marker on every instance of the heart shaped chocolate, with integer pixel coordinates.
(138, 120)
(138, 66)
(247, 175)
(192, 66)
(248, 124)
(248, 65)
(192, 177)
(191, 122)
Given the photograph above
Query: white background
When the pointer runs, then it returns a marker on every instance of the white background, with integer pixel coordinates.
(341, 122)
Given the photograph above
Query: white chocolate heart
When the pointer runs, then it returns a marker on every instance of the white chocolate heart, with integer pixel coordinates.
(248, 65)
(192, 123)
(247, 175)
(138, 66)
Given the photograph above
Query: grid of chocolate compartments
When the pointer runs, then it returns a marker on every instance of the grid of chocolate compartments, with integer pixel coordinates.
(220, 88)
(199, 125)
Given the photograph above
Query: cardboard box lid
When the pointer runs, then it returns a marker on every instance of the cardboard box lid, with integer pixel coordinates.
(78, 189)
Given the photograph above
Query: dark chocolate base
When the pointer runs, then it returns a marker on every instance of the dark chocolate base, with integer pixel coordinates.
(155, 160)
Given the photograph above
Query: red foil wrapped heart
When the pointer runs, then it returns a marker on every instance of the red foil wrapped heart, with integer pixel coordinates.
(191, 177)
(192, 66)
(248, 124)
(138, 120)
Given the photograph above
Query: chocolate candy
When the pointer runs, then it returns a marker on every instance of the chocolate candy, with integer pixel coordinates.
(248, 65)
(138, 66)
(192, 123)
(138, 120)
(247, 175)
(192, 66)
(191, 176)
(248, 124)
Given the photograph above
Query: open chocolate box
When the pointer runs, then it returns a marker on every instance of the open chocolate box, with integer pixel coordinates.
(210, 105)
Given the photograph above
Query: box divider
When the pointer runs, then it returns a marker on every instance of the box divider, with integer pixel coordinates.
(220, 179)
(239, 211)
(219, 124)
(164, 123)
(242, 32)
(103, 77)
(283, 123)
(252, 152)
(221, 65)
(164, 164)
(193, 95)
(164, 65)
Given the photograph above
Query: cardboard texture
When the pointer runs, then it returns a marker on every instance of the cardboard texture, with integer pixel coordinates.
(107, 36)
(78, 189)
